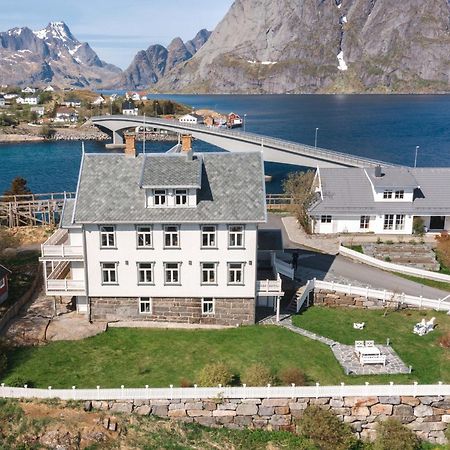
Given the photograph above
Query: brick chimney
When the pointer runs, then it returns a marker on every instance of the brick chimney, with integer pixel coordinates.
(186, 142)
(130, 144)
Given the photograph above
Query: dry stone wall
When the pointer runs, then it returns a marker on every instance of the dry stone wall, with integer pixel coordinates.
(428, 417)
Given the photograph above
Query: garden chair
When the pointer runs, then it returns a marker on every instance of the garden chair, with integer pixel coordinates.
(358, 325)
(358, 346)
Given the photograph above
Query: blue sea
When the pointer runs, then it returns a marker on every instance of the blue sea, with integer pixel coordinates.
(385, 127)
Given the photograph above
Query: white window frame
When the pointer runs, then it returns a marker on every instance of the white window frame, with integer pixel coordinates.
(145, 302)
(208, 306)
(210, 270)
(387, 194)
(326, 218)
(400, 222)
(233, 271)
(172, 270)
(160, 197)
(174, 235)
(148, 269)
(388, 221)
(181, 197)
(109, 271)
(107, 232)
(208, 234)
(400, 194)
(234, 233)
(364, 222)
(144, 233)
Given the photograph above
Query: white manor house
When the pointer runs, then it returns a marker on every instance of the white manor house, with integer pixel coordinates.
(166, 237)
(380, 200)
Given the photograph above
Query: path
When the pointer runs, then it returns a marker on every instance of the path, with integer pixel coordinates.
(337, 268)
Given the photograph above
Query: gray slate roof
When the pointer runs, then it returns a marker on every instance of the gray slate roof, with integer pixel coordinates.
(67, 212)
(393, 177)
(348, 191)
(232, 191)
(171, 171)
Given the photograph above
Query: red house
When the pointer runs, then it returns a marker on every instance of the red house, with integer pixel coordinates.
(4, 272)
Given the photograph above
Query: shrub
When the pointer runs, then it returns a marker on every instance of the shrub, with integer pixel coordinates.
(184, 383)
(19, 381)
(214, 374)
(392, 435)
(387, 258)
(257, 375)
(444, 340)
(418, 226)
(325, 430)
(291, 375)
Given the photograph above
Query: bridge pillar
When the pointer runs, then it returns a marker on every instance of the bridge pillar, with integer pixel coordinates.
(118, 141)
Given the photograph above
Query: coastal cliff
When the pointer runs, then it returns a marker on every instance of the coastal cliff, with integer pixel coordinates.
(325, 46)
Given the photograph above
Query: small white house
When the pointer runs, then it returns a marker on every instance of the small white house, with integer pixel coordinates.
(100, 100)
(49, 89)
(133, 96)
(381, 200)
(72, 102)
(28, 90)
(65, 115)
(27, 100)
(192, 118)
(129, 109)
(39, 110)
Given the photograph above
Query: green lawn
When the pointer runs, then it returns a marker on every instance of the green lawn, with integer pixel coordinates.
(431, 363)
(426, 281)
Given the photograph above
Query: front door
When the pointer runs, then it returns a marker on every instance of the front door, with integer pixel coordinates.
(437, 222)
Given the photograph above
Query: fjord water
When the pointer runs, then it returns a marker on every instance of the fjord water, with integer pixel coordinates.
(384, 127)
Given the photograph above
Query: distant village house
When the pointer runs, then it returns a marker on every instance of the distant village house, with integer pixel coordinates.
(192, 118)
(129, 109)
(66, 115)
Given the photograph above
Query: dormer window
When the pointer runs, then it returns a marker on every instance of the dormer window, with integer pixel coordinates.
(387, 194)
(181, 196)
(399, 194)
(160, 197)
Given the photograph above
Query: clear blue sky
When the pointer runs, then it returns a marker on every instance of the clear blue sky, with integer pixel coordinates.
(115, 29)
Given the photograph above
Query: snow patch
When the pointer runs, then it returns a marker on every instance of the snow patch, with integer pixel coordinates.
(344, 19)
(263, 63)
(75, 49)
(342, 64)
(41, 34)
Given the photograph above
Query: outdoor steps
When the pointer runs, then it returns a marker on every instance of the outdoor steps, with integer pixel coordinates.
(292, 307)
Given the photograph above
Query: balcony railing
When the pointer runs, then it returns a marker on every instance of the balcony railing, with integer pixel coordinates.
(56, 247)
(269, 287)
(56, 287)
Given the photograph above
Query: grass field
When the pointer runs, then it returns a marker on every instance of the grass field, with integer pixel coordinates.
(136, 357)
(431, 362)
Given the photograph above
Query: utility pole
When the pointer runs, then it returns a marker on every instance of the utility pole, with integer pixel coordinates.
(415, 158)
(315, 139)
(143, 143)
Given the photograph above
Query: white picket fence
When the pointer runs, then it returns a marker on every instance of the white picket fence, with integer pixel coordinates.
(366, 292)
(241, 392)
(420, 273)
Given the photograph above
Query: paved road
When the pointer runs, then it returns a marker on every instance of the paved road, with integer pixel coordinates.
(339, 268)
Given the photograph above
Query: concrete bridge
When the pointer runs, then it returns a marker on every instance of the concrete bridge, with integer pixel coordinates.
(274, 150)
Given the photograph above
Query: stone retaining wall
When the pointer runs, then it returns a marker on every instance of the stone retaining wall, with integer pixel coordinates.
(227, 311)
(429, 417)
(324, 297)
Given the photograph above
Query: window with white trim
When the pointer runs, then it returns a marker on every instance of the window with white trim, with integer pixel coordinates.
(144, 236)
(400, 194)
(364, 222)
(236, 236)
(400, 222)
(325, 219)
(208, 306)
(235, 273)
(171, 236)
(209, 272)
(160, 197)
(107, 236)
(388, 222)
(145, 305)
(172, 273)
(145, 273)
(387, 194)
(209, 233)
(181, 196)
(109, 273)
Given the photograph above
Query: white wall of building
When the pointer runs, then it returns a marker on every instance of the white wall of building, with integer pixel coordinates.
(190, 254)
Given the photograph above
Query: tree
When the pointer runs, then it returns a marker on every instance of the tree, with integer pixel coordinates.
(299, 185)
(47, 132)
(45, 97)
(18, 187)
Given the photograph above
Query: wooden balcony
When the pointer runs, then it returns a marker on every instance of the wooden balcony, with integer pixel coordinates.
(57, 247)
(59, 283)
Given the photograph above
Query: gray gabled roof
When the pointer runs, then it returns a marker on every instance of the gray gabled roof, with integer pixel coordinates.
(232, 191)
(392, 178)
(171, 171)
(348, 191)
(67, 213)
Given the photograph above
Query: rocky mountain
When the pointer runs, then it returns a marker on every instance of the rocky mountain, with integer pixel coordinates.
(292, 46)
(152, 64)
(51, 55)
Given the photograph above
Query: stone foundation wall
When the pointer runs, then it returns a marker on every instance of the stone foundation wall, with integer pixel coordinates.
(228, 311)
(429, 417)
(324, 297)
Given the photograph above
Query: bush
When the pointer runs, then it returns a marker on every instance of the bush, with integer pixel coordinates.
(257, 375)
(19, 381)
(392, 435)
(325, 430)
(418, 226)
(214, 374)
(291, 375)
(184, 383)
